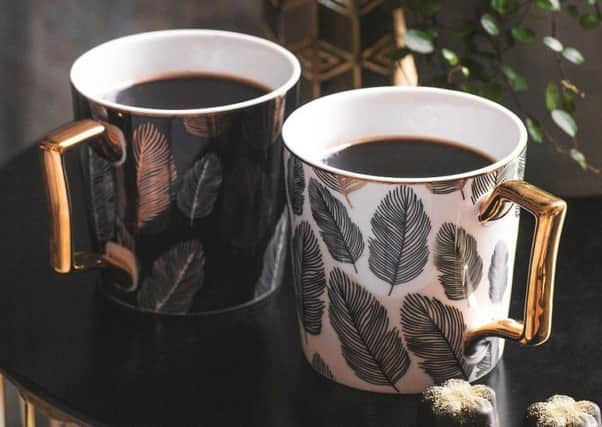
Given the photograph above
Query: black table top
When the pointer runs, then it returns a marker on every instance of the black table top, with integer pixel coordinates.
(104, 365)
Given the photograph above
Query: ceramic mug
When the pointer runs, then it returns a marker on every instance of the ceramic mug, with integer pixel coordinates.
(186, 206)
(405, 282)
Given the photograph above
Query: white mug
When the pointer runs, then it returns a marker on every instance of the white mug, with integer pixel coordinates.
(405, 282)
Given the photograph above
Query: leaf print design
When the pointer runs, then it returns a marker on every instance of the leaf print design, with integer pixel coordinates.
(372, 349)
(206, 126)
(200, 187)
(483, 184)
(448, 187)
(458, 261)
(176, 277)
(102, 192)
(309, 278)
(339, 183)
(399, 250)
(274, 259)
(498, 273)
(295, 184)
(343, 238)
(435, 332)
(321, 367)
(520, 174)
(154, 173)
(119, 255)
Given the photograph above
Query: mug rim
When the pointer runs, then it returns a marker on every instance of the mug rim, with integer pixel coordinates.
(160, 112)
(515, 153)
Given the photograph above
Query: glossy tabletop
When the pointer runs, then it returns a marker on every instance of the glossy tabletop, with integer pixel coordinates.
(103, 365)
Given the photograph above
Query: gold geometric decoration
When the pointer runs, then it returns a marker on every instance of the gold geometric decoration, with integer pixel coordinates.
(341, 44)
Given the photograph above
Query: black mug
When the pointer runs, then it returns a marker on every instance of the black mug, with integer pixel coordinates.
(186, 206)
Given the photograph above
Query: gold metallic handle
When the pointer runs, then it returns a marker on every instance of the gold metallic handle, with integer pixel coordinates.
(53, 148)
(549, 212)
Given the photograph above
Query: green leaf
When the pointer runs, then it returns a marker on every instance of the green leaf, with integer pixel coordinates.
(534, 129)
(591, 2)
(465, 71)
(517, 82)
(572, 10)
(568, 103)
(565, 122)
(579, 157)
(589, 21)
(573, 55)
(500, 6)
(399, 54)
(553, 5)
(419, 41)
(553, 43)
(450, 56)
(489, 24)
(491, 91)
(524, 35)
(552, 96)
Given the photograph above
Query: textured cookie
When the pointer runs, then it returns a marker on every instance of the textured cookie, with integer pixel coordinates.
(563, 411)
(457, 403)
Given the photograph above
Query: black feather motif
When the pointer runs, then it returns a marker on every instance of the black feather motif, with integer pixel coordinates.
(200, 187)
(175, 279)
(399, 250)
(274, 258)
(372, 349)
(340, 183)
(295, 184)
(483, 184)
(102, 197)
(447, 187)
(342, 236)
(498, 273)
(321, 367)
(520, 174)
(435, 333)
(309, 278)
(458, 261)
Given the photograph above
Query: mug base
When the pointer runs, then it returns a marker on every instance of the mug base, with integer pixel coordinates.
(109, 296)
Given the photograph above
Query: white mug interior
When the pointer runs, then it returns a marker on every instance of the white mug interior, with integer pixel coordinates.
(128, 60)
(335, 121)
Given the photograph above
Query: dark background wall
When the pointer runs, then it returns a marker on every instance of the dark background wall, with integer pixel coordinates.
(39, 40)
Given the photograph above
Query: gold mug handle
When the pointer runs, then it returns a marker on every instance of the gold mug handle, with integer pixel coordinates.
(549, 212)
(53, 147)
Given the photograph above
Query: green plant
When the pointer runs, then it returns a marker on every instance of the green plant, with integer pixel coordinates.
(475, 57)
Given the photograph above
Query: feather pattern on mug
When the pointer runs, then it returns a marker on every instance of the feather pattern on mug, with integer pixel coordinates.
(309, 278)
(372, 349)
(458, 261)
(274, 258)
(200, 187)
(399, 250)
(102, 192)
(207, 125)
(339, 183)
(485, 183)
(176, 277)
(448, 187)
(341, 235)
(295, 180)
(498, 273)
(435, 332)
(154, 173)
(321, 367)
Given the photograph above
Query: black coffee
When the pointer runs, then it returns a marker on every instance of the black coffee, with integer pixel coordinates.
(187, 91)
(407, 157)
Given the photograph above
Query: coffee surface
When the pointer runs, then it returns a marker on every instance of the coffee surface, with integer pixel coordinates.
(407, 157)
(188, 91)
